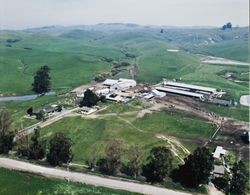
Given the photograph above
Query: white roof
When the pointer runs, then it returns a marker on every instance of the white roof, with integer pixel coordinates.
(181, 92)
(196, 87)
(148, 96)
(126, 80)
(158, 93)
(218, 152)
(110, 82)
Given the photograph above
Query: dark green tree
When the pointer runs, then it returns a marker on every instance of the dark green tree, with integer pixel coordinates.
(60, 150)
(134, 164)
(159, 164)
(30, 111)
(36, 150)
(103, 99)
(6, 135)
(240, 178)
(111, 163)
(196, 169)
(41, 82)
(90, 99)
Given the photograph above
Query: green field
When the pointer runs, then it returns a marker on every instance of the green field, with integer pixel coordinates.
(91, 135)
(12, 182)
(74, 55)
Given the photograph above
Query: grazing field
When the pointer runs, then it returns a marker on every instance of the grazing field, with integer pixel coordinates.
(13, 182)
(90, 135)
(75, 54)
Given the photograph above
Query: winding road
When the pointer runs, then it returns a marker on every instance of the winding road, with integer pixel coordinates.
(86, 178)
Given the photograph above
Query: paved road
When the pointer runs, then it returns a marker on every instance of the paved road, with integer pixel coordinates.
(87, 179)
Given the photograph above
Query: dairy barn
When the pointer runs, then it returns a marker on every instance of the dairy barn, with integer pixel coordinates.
(119, 85)
(188, 90)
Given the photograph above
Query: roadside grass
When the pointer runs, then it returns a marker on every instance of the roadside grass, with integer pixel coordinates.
(13, 182)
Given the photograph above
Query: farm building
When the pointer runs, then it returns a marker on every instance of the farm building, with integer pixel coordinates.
(123, 84)
(190, 88)
(87, 110)
(221, 102)
(219, 152)
(109, 82)
(103, 91)
(51, 109)
(219, 170)
(180, 92)
(154, 93)
(120, 97)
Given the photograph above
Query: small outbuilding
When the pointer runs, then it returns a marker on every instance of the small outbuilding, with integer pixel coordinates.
(219, 152)
(219, 170)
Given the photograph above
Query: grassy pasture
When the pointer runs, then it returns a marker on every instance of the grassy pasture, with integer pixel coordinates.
(90, 135)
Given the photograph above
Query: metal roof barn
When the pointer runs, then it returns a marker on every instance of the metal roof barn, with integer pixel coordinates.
(180, 92)
(191, 87)
(109, 82)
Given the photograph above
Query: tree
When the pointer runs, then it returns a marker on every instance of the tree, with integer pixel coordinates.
(90, 99)
(224, 27)
(30, 111)
(103, 99)
(40, 116)
(23, 145)
(60, 150)
(134, 164)
(6, 135)
(41, 82)
(111, 163)
(239, 178)
(159, 164)
(229, 25)
(196, 169)
(36, 150)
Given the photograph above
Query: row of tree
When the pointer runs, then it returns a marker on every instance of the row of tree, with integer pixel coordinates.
(59, 148)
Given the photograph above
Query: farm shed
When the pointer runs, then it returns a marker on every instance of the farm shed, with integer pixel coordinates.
(109, 82)
(180, 92)
(123, 84)
(189, 87)
(219, 170)
(158, 93)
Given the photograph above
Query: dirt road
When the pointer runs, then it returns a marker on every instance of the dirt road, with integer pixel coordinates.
(87, 179)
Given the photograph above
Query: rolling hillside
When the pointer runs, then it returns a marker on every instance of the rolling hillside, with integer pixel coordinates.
(75, 53)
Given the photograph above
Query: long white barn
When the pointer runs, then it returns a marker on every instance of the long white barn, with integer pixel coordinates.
(180, 92)
(189, 87)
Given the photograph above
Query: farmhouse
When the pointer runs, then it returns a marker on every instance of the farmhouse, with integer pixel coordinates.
(190, 88)
(219, 152)
(180, 92)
